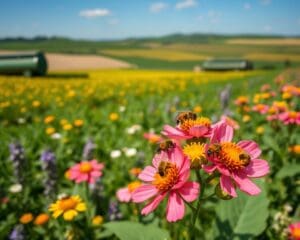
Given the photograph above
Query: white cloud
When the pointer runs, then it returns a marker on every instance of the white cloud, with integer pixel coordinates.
(186, 4)
(93, 13)
(247, 6)
(157, 7)
(265, 2)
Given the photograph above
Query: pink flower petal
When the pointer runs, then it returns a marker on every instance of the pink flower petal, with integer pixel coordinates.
(209, 168)
(123, 195)
(227, 186)
(222, 133)
(153, 205)
(198, 131)
(96, 165)
(189, 191)
(245, 184)
(143, 193)
(147, 174)
(257, 168)
(183, 177)
(250, 147)
(174, 133)
(96, 174)
(223, 170)
(175, 207)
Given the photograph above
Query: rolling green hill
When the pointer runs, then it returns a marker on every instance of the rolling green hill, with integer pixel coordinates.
(175, 51)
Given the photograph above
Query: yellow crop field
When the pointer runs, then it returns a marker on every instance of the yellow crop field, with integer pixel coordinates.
(283, 41)
(157, 53)
(272, 57)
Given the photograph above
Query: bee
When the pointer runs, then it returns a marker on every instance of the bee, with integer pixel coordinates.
(214, 150)
(245, 158)
(165, 146)
(163, 167)
(183, 116)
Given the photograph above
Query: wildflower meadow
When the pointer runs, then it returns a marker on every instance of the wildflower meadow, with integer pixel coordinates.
(141, 154)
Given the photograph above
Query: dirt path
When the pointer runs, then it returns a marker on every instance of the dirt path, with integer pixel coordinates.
(74, 62)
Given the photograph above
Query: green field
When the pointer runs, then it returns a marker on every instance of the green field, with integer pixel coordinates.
(164, 52)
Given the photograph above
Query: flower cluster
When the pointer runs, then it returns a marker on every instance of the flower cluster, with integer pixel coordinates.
(196, 144)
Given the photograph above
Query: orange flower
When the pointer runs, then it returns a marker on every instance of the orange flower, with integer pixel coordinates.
(26, 218)
(78, 123)
(41, 219)
(113, 116)
(135, 171)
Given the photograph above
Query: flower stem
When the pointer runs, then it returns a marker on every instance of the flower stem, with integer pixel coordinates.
(202, 188)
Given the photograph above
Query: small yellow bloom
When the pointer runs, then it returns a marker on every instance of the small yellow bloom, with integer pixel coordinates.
(97, 220)
(36, 103)
(50, 130)
(23, 110)
(114, 116)
(26, 218)
(63, 122)
(197, 109)
(78, 123)
(41, 219)
(68, 206)
(260, 130)
(196, 153)
(286, 95)
(246, 118)
(49, 119)
(67, 126)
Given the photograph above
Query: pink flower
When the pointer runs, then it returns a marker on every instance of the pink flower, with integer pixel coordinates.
(237, 163)
(290, 117)
(230, 122)
(261, 108)
(125, 194)
(189, 128)
(294, 230)
(87, 171)
(168, 177)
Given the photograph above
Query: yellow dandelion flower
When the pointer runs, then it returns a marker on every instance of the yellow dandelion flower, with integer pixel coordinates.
(63, 122)
(36, 104)
(78, 123)
(67, 127)
(49, 119)
(68, 207)
(114, 116)
(26, 218)
(246, 118)
(97, 220)
(197, 109)
(50, 130)
(260, 130)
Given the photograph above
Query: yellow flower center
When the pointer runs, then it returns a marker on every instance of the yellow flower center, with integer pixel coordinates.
(195, 152)
(166, 176)
(292, 114)
(134, 185)
(189, 123)
(85, 167)
(67, 204)
(233, 156)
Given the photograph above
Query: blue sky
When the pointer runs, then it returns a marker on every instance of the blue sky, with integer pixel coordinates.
(114, 19)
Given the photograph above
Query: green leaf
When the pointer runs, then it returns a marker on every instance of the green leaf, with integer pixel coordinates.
(288, 171)
(126, 230)
(242, 217)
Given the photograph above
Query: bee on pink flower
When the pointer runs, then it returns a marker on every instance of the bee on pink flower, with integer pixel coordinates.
(86, 171)
(168, 177)
(236, 162)
(290, 117)
(188, 126)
